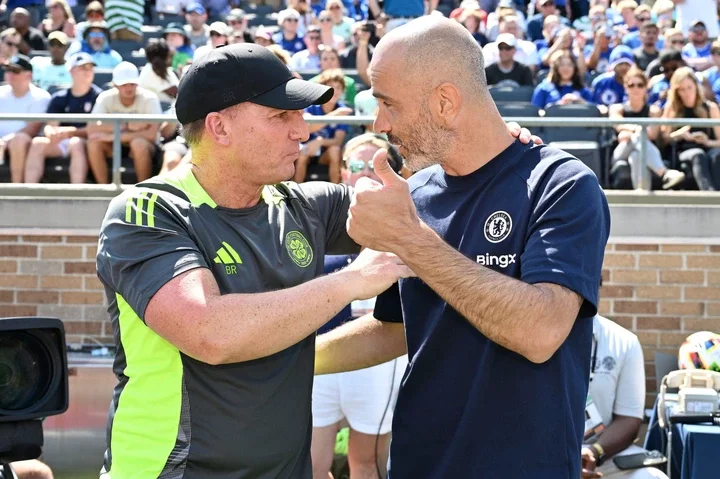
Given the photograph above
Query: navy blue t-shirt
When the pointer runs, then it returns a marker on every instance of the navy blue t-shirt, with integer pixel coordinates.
(468, 407)
(63, 101)
(334, 263)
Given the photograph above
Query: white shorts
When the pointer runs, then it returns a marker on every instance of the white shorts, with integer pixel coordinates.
(64, 147)
(359, 396)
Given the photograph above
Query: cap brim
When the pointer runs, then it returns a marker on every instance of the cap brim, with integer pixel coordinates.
(294, 95)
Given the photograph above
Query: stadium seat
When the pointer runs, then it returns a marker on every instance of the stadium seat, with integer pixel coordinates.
(517, 109)
(103, 78)
(511, 94)
(586, 143)
(541, 75)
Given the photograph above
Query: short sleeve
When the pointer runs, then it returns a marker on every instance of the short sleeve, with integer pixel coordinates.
(538, 97)
(101, 104)
(152, 104)
(388, 307)
(630, 394)
(567, 233)
(144, 243)
(332, 202)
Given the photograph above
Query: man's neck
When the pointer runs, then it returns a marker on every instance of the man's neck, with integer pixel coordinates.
(126, 102)
(79, 90)
(215, 180)
(289, 36)
(507, 65)
(482, 135)
(21, 92)
(650, 49)
(699, 45)
(22, 31)
(58, 61)
(636, 104)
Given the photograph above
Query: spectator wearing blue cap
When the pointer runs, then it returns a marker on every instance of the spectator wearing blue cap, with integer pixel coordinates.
(96, 42)
(288, 37)
(697, 52)
(196, 28)
(609, 88)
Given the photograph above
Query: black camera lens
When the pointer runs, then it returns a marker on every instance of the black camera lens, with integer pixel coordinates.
(26, 371)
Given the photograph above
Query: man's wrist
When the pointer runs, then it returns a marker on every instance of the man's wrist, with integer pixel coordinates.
(598, 452)
(417, 240)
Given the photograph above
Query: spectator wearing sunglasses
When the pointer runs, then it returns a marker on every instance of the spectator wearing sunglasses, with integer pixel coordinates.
(673, 40)
(642, 15)
(219, 33)
(325, 142)
(9, 41)
(697, 52)
(308, 59)
(94, 12)
(237, 21)
(328, 37)
(689, 11)
(342, 25)
(196, 29)
(96, 42)
(288, 37)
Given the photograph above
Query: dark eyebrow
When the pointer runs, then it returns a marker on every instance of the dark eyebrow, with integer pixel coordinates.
(380, 96)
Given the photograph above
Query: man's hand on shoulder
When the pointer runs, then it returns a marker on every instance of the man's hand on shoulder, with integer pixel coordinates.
(523, 134)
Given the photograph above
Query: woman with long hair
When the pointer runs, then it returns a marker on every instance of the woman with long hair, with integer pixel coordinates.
(698, 148)
(627, 151)
(564, 84)
(342, 25)
(59, 19)
(157, 75)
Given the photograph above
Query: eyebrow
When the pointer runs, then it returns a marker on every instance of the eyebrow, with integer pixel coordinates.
(380, 96)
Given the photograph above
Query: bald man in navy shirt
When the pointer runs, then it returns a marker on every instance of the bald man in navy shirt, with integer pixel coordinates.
(507, 241)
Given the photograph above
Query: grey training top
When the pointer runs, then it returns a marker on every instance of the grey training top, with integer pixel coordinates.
(171, 415)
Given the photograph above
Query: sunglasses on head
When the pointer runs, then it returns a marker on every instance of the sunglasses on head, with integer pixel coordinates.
(358, 166)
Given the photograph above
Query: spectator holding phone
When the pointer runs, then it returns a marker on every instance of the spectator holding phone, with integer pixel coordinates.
(699, 148)
(597, 55)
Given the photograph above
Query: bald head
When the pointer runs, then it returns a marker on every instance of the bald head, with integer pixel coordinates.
(432, 50)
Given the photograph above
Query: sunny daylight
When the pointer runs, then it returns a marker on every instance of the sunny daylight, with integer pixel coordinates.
(359, 239)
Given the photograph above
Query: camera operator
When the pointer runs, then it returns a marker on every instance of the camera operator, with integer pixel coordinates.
(617, 391)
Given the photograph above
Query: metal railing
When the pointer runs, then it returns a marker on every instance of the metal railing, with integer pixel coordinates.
(529, 122)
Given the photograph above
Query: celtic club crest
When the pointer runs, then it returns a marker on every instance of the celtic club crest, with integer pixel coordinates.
(299, 249)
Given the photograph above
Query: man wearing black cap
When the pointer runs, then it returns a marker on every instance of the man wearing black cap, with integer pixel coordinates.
(19, 95)
(697, 52)
(212, 277)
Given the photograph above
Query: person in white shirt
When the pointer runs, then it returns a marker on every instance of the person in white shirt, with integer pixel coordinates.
(617, 393)
(139, 139)
(19, 95)
(308, 59)
(157, 75)
(525, 51)
(52, 72)
(218, 35)
(688, 11)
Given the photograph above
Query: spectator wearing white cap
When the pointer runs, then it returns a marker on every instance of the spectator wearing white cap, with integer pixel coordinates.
(525, 51)
(66, 139)
(505, 8)
(308, 59)
(19, 95)
(138, 139)
(196, 28)
(507, 71)
(52, 72)
(288, 37)
(264, 37)
(218, 36)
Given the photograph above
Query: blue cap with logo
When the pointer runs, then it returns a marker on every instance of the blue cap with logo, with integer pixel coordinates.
(195, 7)
(621, 54)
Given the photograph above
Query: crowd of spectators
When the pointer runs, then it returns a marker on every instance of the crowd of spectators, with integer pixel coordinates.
(620, 57)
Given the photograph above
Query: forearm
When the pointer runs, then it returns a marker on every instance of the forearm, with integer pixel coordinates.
(375, 8)
(359, 344)
(594, 58)
(32, 129)
(149, 133)
(231, 328)
(362, 61)
(619, 435)
(95, 128)
(516, 315)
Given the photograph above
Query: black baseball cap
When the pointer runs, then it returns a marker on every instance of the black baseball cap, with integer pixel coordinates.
(233, 74)
(19, 62)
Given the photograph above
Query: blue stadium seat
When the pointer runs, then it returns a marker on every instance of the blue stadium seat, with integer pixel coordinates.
(103, 78)
(518, 109)
(511, 94)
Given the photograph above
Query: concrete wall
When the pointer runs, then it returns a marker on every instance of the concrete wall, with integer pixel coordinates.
(661, 272)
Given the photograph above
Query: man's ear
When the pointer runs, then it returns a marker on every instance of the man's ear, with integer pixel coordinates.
(447, 100)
